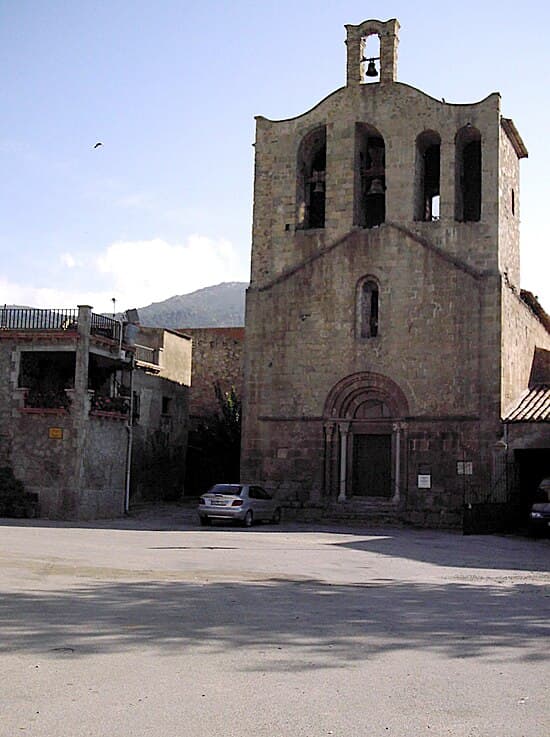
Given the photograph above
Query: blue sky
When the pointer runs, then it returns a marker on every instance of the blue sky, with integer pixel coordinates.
(171, 89)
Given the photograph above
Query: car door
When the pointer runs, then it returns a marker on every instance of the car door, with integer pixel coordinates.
(266, 503)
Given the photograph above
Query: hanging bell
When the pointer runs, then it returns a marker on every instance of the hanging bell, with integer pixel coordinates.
(318, 181)
(371, 69)
(376, 187)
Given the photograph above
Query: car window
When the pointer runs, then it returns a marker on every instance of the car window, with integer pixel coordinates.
(253, 492)
(262, 493)
(233, 489)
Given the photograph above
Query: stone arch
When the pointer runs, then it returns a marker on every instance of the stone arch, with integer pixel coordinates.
(345, 396)
(370, 176)
(468, 174)
(310, 179)
(427, 175)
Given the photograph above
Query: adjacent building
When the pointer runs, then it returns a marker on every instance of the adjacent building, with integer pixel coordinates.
(93, 410)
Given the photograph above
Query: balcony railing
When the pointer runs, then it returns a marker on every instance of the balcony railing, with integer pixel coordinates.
(38, 398)
(112, 405)
(32, 319)
(147, 355)
(17, 318)
(105, 326)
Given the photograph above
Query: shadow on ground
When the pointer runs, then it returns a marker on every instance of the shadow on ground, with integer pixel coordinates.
(286, 624)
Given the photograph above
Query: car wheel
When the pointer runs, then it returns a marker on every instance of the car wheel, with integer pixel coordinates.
(276, 519)
(248, 519)
(205, 521)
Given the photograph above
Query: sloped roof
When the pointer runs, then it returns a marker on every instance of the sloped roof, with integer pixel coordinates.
(533, 406)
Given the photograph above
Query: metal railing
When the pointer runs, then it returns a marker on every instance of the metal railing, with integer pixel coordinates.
(105, 326)
(30, 318)
(22, 318)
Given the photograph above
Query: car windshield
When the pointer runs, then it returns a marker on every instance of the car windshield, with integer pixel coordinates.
(233, 489)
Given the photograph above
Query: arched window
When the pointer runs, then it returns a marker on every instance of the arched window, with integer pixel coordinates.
(426, 200)
(370, 177)
(312, 163)
(468, 174)
(368, 308)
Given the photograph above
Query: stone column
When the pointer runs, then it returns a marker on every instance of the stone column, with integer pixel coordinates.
(397, 475)
(447, 180)
(328, 432)
(80, 406)
(388, 52)
(344, 432)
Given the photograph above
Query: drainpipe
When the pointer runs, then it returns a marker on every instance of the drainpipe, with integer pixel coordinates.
(129, 430)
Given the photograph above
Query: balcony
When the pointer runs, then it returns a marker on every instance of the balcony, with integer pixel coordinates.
(107, 405)
(22, 319)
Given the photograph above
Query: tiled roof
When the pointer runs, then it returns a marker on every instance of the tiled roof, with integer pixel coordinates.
(534, 406)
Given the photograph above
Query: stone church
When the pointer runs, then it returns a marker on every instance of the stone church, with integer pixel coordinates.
(387, 336)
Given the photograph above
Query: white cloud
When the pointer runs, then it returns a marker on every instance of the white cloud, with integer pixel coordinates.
(135, 273)
(153, 270)
(36, 296)
(68, 260)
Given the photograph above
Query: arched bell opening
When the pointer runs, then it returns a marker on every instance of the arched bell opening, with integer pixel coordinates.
(311, 180)
(468, 174)
(370, 176)
(427, 176)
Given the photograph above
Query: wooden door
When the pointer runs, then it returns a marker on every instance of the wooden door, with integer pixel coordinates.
(372, 465)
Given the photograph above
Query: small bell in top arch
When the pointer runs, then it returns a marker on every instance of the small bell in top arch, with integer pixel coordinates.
(371, 68)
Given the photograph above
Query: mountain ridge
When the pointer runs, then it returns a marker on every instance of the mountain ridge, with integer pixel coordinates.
(219, 305)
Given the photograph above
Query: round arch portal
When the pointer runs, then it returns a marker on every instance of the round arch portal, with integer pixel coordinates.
(364, 421)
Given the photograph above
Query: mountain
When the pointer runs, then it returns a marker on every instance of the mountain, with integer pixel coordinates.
(217, 306)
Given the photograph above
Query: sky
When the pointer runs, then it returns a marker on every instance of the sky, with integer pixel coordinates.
(171, 88)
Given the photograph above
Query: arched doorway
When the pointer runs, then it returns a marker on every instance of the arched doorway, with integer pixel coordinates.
(364, 425)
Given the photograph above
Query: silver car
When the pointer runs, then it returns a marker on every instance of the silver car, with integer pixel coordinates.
(245, 503)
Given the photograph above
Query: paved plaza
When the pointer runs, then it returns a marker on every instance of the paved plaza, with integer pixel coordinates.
(151, 626)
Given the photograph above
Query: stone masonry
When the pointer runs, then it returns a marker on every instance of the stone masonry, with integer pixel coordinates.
(385, 330)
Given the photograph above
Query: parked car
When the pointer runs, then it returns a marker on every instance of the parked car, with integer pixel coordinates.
(245, 503)
(539, 516)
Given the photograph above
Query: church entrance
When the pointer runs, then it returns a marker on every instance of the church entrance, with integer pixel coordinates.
(372, 466)
(365, 439)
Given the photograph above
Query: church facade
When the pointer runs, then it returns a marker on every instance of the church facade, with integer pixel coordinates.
(386, 332)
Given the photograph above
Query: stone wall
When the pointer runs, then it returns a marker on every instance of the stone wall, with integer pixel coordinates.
(399, 112)
(217, 357)
(522, 332)
(159, 438)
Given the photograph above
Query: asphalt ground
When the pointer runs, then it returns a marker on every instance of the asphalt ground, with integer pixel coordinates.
(152, 626)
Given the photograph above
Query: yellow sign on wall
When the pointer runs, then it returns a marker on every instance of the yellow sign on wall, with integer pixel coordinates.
(55, 433)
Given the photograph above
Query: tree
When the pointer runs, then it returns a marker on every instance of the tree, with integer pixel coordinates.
(213, 454)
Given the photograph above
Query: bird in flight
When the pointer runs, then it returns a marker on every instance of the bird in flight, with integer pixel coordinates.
(98, 144)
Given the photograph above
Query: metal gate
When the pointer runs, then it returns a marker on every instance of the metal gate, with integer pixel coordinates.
(494, 509)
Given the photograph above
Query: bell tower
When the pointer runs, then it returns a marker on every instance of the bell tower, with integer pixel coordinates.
(360, 67)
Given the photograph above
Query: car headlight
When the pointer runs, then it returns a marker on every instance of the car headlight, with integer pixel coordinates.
(202, 501)
(536, 515)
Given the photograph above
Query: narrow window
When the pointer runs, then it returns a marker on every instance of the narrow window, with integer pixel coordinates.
(427, 179)
(370, 177)
(166, 405)
(369, 308)
(468, 174)
(311, 175)
(513, 202)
